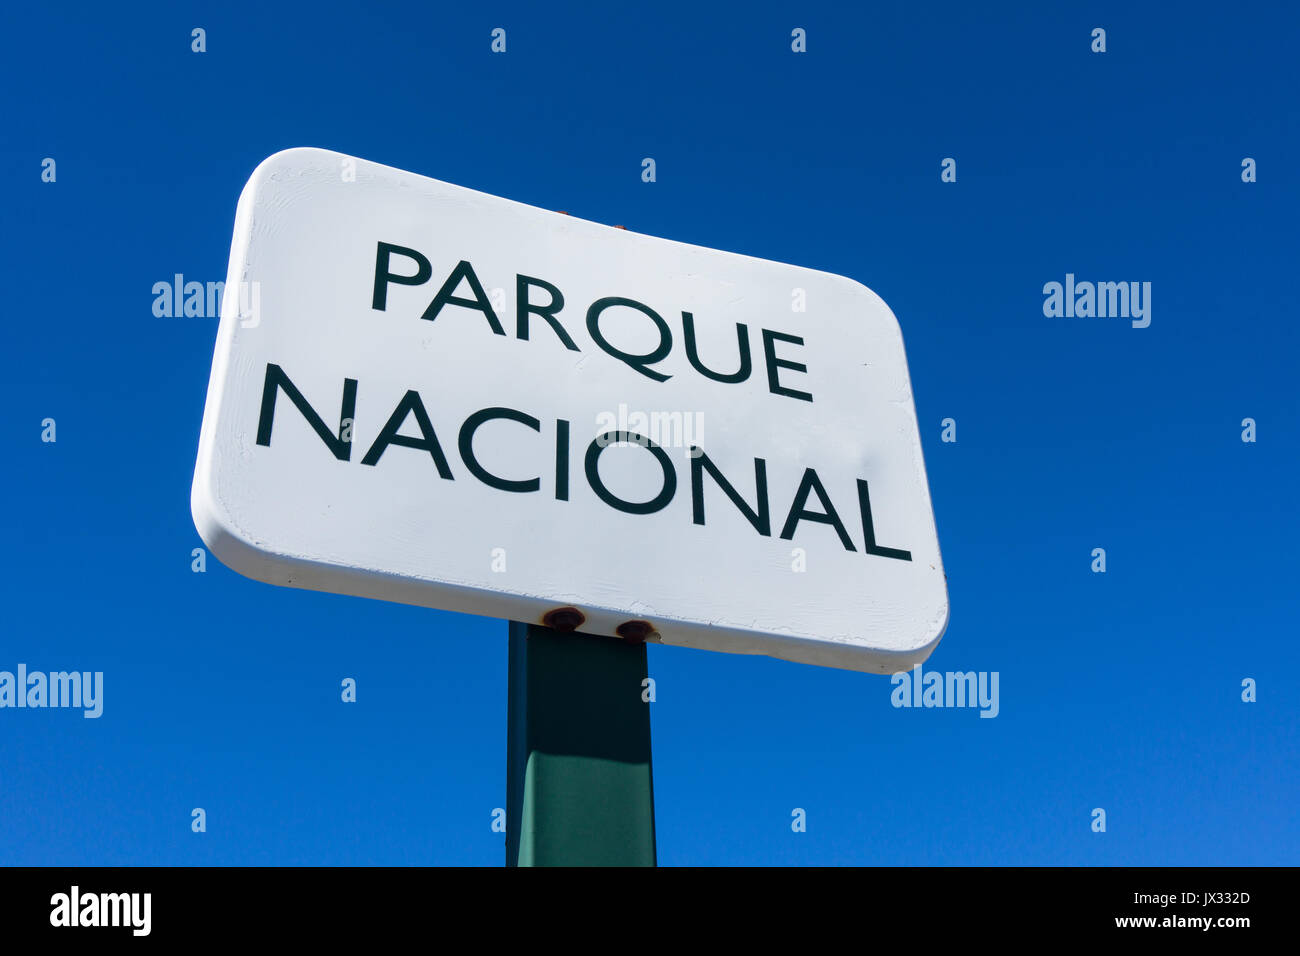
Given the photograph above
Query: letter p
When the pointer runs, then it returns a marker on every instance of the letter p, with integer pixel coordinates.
(383, 276)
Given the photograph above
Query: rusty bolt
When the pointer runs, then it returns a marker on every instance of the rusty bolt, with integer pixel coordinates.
(564, 619)
(634, 632)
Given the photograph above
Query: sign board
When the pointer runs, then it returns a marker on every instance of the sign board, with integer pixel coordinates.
(426, 394)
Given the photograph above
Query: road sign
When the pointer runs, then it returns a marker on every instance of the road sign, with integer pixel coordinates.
(426, 394)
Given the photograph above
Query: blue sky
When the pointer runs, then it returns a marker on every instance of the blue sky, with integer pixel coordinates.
(1119, 690)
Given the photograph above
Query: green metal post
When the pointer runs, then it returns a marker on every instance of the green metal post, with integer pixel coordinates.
(579, 784)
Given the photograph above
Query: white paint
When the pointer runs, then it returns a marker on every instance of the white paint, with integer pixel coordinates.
(292, 514)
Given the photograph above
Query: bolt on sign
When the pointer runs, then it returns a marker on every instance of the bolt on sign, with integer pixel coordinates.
(448, 399)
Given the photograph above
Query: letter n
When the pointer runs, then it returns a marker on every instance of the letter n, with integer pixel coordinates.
(340, 444)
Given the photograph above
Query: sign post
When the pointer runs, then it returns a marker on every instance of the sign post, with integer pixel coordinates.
(579, 782)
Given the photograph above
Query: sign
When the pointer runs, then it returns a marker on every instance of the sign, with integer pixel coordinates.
(426, 394)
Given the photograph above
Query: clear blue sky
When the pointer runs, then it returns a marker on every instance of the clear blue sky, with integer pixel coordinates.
(1119, 690)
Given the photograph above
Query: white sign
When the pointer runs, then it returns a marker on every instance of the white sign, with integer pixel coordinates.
(427, 394)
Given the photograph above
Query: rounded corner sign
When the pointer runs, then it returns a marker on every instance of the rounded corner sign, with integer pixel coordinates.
(426, 394)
